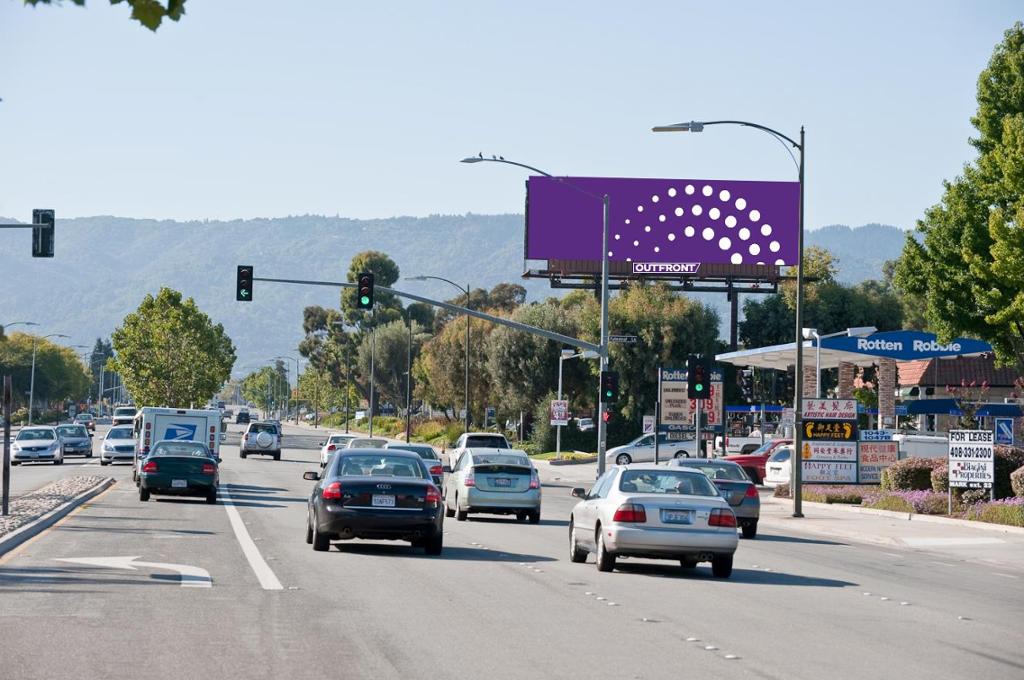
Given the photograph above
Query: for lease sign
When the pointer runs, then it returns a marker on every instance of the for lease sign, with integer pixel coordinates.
(971, 459)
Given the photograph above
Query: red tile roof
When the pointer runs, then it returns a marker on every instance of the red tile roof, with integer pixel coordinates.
(943, 372)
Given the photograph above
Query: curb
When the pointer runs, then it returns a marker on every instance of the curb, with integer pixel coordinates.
(915, 517)
(568, 461)
(38, 526)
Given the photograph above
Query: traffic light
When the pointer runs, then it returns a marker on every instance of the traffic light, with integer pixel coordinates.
(243, 287)
(698, 378)
(42, 233)
(364, 291)
(747, 383)
(609, 386)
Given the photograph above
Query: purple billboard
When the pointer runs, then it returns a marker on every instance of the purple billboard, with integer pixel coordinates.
(663, 226)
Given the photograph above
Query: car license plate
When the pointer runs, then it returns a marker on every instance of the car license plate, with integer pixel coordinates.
(179, 483)
(502, 481)
(383, 501)
(677, 516)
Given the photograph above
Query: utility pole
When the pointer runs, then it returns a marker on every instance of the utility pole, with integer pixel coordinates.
(408, 384)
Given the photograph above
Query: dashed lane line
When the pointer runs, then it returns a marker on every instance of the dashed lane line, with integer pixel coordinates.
(268, 580)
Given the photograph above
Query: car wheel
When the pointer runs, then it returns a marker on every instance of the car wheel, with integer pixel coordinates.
(605, 559)
(688, 564)
(143, 494)
(104, 462)
(320, 542)
(242, 454)
(534, 517)
(681, 454)
(521, 516)
(59, 461)
(277, 455)
(309, 530)
(89, 455)
(448, 511)
(576, 553)
(15, 463)
(750, 530)
(211, 497)
(434, 545)
(460, 514)
(721, 566)
(623, 459)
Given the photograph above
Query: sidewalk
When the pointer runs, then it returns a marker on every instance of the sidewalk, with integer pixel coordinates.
(953, 542)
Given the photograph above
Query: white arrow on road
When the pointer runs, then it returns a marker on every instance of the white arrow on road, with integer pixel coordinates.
(191, 577)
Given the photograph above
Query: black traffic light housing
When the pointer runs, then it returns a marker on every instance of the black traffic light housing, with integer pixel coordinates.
(42, 232)
(364, 291)
(747, 383)
(243, 284)
(609, 386)
(698, 378)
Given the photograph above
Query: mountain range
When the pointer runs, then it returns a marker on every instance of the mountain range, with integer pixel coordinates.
(104, 266)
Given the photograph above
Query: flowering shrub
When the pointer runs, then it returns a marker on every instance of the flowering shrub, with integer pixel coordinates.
(1007, 460)
(1017, 482)
(940, 478)
(1005, 511)
(910, 474)
(828, 493)
(921, 501)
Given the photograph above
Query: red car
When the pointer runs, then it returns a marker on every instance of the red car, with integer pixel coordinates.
(753, 462)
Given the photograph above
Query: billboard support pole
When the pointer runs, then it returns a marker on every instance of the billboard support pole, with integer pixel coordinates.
(797, 458)
(657, 421)
(602, 426)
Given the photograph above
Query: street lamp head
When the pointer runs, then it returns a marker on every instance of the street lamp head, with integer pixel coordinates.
(568, 353)
(810, 333)
(421, 277)
(590, 354)
(692, 126)
(472, 159)
(861, 331)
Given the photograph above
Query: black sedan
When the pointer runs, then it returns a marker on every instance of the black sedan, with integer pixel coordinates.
(375, 494)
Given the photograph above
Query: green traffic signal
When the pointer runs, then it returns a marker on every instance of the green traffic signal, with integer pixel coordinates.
(364, 300)
(699, 387)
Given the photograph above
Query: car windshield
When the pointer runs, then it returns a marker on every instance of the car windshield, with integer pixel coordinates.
(180, 449)
(355, 465)
(121, 433)
(425, 452)
(732, 473)
(72, 431)
(666, 482)
(780, 456)
(32, 435)
(487, 441)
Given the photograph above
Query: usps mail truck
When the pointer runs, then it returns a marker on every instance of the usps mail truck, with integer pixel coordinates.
(175, 424)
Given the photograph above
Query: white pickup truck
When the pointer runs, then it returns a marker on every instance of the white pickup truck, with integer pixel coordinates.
(738, 445)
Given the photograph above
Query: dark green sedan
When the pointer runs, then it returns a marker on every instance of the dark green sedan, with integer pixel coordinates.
(180, 468)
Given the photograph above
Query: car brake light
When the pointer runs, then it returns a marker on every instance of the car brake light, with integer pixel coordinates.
(534, 481)
(751, 492)
(209, 468)
(331, 447)
(470, 480)
(149, 467)
(630, 512)
(436, 470)
(245, 437)
(433, 498)
(332, 490)
(722, 518)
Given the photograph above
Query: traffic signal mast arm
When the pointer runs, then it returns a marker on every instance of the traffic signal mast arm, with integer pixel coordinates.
(550, 335)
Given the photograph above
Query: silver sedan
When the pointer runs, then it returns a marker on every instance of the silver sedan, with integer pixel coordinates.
(735, 487)
(655, 512)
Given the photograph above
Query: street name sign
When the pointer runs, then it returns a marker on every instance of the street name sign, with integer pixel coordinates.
(623, 339)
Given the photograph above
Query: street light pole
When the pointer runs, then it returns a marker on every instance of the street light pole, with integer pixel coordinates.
(408, 383)
(602, 426)
(698, 126)
(466, 387)
(32, 378)
(566, 354)
(285, 357)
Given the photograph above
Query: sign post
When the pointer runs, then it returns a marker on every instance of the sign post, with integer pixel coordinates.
(7, 445)
(971, 461)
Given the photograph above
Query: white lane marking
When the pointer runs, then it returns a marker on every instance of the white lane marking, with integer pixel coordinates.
(980, 540)
(892, 554)
(1004, 575)
(191, 576)
(268, 580)
(944, 564)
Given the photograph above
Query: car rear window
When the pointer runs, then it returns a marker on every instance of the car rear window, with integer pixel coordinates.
(666, 482)
(501, 470)
(425, 452)
(263, 427)
(780, 456)
(121, 433)
(732, 473)
(500, 459)
(378, 466)
(367, 444)
(180, 449)
(487, 442)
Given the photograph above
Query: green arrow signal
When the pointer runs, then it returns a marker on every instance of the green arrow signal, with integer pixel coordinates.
(244, 292)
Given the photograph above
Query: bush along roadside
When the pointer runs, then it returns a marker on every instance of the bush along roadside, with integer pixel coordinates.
(1009, 511)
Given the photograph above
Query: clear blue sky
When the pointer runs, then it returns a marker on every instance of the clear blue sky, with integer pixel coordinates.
(253, 108)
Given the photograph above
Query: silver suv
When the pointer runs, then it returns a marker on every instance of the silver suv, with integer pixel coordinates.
(261, 438)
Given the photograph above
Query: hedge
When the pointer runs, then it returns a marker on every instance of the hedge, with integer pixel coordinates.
(1017, 482)
(921, 501)
(1008, 511)
(910, 474)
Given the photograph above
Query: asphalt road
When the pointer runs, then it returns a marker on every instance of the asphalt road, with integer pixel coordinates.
(503, 601)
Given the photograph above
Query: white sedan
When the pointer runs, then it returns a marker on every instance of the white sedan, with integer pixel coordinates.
(641, 450)
(656, 512)
(778, 467)
(334, 441)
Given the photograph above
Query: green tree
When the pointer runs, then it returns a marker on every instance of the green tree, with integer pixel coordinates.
(170, 353)
(440, 369)
(102, 352)
(264, 386)
(966, 260)
(149, 13)
(60, 374)
(390, 360)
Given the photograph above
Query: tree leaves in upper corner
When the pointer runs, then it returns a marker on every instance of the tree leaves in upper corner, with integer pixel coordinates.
(149, 13)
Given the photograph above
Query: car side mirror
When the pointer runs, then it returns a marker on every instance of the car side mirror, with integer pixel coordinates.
(91, 435)
(579, 492)
(321, 443)
(311, 476)
(447, 469)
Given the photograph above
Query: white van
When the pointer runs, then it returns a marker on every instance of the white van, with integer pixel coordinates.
(922, 446)
(153, 424)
